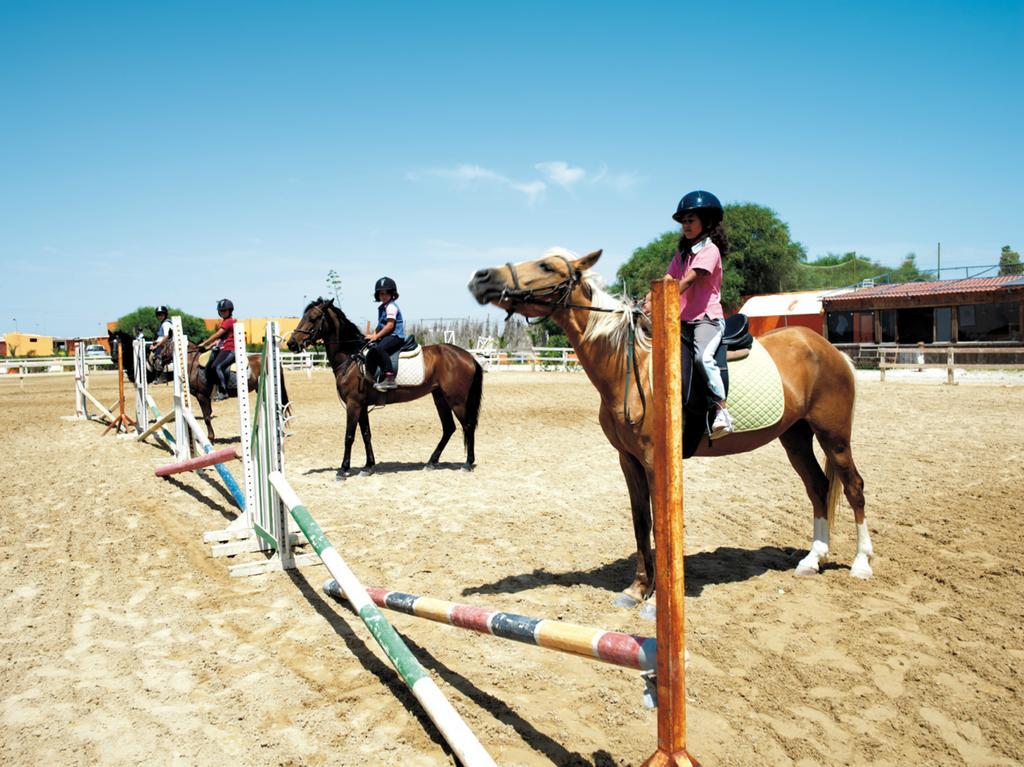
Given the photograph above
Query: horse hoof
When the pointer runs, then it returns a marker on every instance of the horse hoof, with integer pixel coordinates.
(366, 472)
(626, 601)
(861, 570)
(804, 571)
(467, 467)
(649, 611)
(341, 476)
(430, 467)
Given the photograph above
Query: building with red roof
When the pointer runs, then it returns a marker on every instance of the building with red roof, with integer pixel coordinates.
(976, 310)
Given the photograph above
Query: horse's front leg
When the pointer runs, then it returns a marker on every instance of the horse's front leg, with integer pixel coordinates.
(351, 419)
(640, 504)
(364, 429)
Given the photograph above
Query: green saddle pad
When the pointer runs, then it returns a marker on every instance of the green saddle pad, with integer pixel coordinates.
(756, 400)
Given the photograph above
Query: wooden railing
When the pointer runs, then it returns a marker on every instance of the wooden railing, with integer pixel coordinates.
(950, 358)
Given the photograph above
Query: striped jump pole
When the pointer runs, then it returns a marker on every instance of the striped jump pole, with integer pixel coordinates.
(612, 647)
(225, 475)
(215, 458)
(462, 741)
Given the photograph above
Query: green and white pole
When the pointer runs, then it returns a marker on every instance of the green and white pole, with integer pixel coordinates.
(462, 741)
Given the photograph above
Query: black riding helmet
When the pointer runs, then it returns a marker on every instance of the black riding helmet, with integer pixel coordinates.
(225, 303)
(385, 283)
(704, 204)
(160, 310)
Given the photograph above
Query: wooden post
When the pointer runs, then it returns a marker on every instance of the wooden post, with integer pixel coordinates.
(949, 366)
(122, 422)
(667, 499)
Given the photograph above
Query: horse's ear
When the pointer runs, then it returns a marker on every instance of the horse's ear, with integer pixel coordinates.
(330, 302)
(588, 261)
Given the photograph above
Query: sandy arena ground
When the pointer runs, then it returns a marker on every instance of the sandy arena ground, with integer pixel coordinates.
(124, 643)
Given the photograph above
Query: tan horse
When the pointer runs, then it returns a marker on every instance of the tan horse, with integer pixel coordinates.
(817, 379)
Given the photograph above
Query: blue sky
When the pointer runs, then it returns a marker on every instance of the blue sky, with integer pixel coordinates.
(177, 153)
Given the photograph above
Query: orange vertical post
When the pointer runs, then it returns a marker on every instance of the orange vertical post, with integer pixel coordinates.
(667, 497)
(122, 422)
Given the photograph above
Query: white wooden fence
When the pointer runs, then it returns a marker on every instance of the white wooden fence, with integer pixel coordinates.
(49, 366)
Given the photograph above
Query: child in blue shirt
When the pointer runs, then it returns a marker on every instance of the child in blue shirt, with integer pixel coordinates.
(389, 335)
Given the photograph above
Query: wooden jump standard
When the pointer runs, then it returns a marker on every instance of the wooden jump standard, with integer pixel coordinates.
(667, 501)
(612, 647)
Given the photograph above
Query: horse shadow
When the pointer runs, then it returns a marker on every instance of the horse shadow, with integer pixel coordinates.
(392, 467)
(343, 623)
(726, 564)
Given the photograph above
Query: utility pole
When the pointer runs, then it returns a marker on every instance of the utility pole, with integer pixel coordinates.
(938, 265)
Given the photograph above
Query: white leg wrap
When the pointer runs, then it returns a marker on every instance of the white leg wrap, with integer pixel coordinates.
(861, 567)
(810, 565)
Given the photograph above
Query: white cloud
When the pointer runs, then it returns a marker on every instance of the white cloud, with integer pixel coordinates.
(557, 172)
(469, 173)
(620, 182)
(534, 190)
(561, 173)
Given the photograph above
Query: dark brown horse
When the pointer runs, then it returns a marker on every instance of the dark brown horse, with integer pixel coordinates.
(817, 381)
(450, 374)
(200, 384)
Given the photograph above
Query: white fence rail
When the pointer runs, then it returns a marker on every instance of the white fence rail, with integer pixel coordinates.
(42, 366)
(540, 358)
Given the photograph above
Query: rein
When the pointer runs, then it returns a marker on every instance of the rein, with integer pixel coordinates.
(539, 296)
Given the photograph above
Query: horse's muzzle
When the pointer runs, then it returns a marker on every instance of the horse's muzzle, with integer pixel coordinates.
(487, 285)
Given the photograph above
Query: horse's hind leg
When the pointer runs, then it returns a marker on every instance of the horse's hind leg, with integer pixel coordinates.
(837, 450)
(798, 442)
(444, 412)
(469, 433)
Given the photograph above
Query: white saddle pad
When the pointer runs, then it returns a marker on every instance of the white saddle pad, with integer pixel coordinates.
(410, 368)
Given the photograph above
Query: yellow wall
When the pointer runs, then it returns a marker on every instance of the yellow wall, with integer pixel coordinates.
(256, 326)
(28, 345)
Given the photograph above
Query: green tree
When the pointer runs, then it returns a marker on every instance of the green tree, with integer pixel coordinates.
(762, 256)
(908, 271)
(1009, 262)
(144, 319)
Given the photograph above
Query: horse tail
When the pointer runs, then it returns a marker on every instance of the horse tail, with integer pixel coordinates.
(473, 401)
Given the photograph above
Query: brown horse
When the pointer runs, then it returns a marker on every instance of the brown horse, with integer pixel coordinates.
(450, 374)
(818, 385)
(201, 382)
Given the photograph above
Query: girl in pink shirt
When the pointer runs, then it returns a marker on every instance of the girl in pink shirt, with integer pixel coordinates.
(697, 266)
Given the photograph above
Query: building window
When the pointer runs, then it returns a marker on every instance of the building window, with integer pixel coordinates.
(989, 322)
(840, 327)
(943, 325)
(915, 325)
(887, 318)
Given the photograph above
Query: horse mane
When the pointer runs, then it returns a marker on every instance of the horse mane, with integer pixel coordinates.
(348, 331)
(612, 326)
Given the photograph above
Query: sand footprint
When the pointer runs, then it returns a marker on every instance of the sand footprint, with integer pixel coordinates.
(965, 737)
(888, 676)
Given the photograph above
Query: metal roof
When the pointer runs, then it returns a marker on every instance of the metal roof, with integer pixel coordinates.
(787, 304)
(934, 288)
